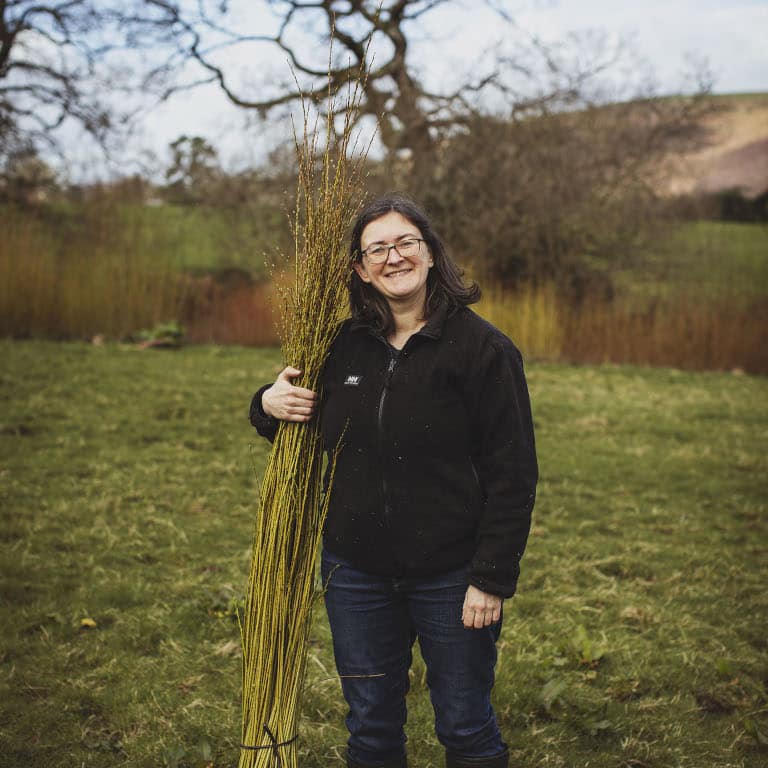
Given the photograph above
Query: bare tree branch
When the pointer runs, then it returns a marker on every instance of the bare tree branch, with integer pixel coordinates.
(54, 67)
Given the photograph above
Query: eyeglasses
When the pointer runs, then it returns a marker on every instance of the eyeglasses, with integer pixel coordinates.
(378, 253)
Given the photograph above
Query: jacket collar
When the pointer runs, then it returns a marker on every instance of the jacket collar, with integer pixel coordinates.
(432, 330)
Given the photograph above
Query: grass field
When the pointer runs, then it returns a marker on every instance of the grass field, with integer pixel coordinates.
(705, 261)
(638, 639)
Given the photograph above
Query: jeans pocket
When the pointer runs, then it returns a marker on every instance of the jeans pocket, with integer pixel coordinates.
(329, 564)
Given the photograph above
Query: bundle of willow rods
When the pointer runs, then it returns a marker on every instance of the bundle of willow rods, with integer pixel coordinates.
(280, 594)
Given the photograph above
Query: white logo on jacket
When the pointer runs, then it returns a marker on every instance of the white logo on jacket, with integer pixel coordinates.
(352, 381)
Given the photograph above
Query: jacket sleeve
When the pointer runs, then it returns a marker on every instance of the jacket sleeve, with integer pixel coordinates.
(265, 425)
(504, 455)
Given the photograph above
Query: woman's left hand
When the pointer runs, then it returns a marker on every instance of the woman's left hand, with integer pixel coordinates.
(480, 609)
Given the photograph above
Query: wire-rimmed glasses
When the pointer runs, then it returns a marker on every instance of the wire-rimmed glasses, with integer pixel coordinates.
(378, 253)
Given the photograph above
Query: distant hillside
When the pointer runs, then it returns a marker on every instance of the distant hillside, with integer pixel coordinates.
(734, 154)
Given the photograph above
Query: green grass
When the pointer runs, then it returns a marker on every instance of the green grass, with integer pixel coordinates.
(202, 239)
(127, 495)
(704, 260)
(720, 258)
(195, 239)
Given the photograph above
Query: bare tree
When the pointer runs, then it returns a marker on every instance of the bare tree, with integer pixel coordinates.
(48, 54)
(53, 54)
(375, 35)
(410, 116)
(564, 196)
(71, 62)
(54, 62)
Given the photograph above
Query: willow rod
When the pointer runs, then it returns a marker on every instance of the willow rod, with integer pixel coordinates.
(280, 594)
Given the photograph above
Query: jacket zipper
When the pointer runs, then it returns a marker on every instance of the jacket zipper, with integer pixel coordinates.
(382, 398)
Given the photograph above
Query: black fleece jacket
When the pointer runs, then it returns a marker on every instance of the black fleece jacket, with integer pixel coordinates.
(437, 466)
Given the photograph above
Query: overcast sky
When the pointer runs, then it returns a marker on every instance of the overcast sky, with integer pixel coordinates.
(666, 35)
(731, 34)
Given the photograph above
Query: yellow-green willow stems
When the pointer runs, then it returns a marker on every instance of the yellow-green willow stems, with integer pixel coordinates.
(280, 592)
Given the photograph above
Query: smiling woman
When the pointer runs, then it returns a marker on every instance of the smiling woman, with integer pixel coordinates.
(394, 263)
(375, 299)
(425, 407)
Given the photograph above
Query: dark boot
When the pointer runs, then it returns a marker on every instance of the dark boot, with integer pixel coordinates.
(402, 763)
(495, 761)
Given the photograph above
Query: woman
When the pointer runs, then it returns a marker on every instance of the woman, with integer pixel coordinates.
(433, 490)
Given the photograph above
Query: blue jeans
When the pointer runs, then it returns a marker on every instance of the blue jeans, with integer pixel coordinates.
(374, 621)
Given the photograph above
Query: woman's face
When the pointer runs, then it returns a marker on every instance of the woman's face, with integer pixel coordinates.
(400, 280)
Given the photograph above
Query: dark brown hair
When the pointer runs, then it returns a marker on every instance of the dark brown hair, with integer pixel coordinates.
(445, 287)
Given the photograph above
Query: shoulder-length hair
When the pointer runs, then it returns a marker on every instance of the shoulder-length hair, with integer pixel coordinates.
(445, 286)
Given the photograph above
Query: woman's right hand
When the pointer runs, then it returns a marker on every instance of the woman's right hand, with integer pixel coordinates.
(286, 402)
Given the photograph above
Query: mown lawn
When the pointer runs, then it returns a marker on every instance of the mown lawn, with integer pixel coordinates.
(128, 484)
